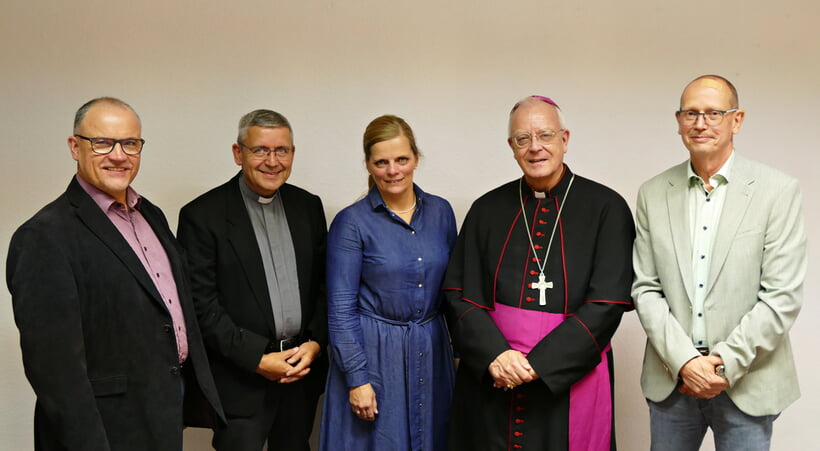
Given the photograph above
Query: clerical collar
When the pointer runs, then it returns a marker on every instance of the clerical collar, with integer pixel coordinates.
(558, 189)
(251, 195)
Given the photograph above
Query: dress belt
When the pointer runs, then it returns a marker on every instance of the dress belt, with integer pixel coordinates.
(416, 346)
(394, 322)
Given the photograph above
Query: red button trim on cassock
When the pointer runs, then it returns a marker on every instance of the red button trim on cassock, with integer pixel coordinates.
(517, 446)
(518, 434)
(529, 299)
(518, 421)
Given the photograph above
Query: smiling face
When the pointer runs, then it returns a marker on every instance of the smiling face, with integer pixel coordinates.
(702, 140)
(542, 161)
(391, 164)
(111, 173)
(265, 175)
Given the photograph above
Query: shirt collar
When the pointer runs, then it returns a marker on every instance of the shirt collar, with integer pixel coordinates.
(721, 176)
(105, 201)
(375, 198)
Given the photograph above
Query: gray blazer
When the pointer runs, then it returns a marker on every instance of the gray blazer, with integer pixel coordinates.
(754, 290)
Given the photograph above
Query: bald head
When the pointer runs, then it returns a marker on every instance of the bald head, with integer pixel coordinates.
(527, 104)
(82, 112)
(716, 82)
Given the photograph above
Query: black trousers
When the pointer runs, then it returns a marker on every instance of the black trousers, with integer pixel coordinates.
(285, 421)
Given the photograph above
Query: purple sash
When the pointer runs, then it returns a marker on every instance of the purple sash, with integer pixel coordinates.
(590, 399)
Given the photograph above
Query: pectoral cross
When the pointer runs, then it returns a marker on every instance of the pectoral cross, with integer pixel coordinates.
(541, 286)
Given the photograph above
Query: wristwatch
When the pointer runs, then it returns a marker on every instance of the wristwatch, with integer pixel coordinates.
(720, 370)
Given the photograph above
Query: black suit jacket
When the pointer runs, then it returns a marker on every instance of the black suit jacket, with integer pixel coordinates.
(97, 342)
(231, 292)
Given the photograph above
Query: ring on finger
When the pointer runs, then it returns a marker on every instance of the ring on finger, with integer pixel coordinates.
(510, 386)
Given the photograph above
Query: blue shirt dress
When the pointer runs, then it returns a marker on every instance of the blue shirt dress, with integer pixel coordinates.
(384, 297)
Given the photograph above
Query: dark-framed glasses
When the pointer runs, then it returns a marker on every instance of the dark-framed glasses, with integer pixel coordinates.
(262, 152)
(544, 137)
(711, 117)
(104, 146)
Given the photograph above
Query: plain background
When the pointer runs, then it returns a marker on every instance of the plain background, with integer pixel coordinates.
(452, 69)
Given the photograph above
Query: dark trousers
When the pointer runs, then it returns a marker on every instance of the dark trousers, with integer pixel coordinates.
(285, 421)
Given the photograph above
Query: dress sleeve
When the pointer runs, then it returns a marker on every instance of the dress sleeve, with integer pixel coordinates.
(344, 269)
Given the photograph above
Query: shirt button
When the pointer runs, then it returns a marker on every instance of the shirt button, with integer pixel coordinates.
(700, 315)
(421, 285)
(413, 232)
(418, 311)
(419, 258)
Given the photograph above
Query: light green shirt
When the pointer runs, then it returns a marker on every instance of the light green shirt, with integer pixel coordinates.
(704, 213)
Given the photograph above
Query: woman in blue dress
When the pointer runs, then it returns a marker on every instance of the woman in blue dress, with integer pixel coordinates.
(391, 376)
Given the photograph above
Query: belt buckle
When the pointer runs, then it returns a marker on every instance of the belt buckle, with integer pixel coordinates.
(288, 343)
(704, 351)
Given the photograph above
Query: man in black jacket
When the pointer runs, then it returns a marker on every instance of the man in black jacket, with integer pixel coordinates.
(256, 246)
(102, 300)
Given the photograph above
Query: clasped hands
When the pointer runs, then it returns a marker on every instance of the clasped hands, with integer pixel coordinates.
(699, 378)
(289, 365)
(511, 369)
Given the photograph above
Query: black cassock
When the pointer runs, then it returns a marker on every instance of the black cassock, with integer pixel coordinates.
(492, 307)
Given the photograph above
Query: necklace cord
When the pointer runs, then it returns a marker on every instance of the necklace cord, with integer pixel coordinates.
(554, 226)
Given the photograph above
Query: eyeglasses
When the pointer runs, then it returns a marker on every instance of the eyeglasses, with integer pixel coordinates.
(544, 137)
(711, 117)
(104, 146)
(261, 152)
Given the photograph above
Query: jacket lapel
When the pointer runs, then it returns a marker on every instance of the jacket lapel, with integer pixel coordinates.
(95, 219)
(678, 207)
(300, 234)
(242, 239)
(737, 202)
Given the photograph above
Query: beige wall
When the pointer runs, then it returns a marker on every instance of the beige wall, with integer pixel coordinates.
(452, 69)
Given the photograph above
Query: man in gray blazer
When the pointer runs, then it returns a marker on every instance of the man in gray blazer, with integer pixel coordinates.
(720, 258)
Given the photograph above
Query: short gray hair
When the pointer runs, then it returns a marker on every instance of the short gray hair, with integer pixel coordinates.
(261, 118)
(83, 111)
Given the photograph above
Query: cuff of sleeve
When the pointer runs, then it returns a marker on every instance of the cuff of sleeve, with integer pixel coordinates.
(253, 349)
(357, 378)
